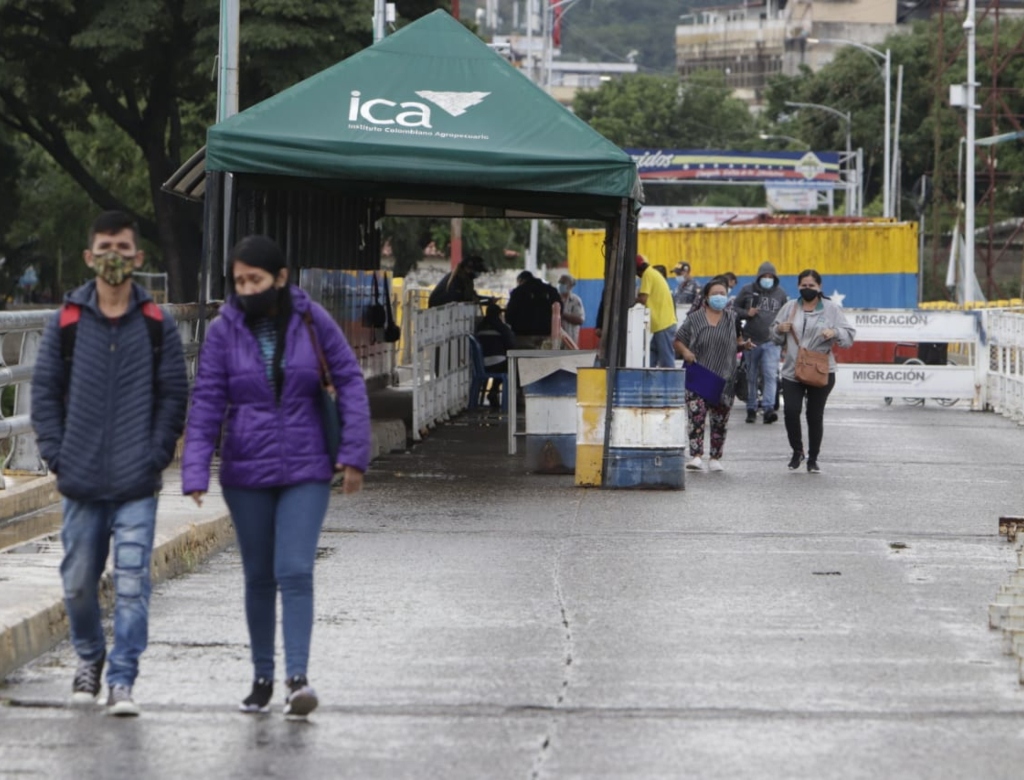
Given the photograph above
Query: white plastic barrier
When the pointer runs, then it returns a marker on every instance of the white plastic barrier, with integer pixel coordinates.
(914, 379)
(441, 363)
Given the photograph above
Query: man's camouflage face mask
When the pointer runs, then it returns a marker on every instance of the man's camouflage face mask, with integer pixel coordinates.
(113, 268)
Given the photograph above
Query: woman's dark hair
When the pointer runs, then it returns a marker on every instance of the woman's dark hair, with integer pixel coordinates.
(811, 273)
(716, 280)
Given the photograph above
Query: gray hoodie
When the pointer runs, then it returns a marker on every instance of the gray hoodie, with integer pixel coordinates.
(767, 302)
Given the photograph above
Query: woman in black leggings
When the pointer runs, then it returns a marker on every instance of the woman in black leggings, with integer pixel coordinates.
(813, 322)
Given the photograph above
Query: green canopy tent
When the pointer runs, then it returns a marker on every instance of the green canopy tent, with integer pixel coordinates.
(431, 113)
(431, 121)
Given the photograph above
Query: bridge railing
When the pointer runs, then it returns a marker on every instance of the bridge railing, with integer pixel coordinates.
(1005, 380)
(20, 334)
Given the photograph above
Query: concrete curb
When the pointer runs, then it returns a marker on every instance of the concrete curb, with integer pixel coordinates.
(33, 630)
(23, 495)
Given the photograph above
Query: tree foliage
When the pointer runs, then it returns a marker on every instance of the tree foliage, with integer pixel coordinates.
(139, 76)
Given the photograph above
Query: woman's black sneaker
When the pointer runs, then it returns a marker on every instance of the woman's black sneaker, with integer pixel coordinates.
(259, 699)
(812, 467)
(796, 460)
(301, 699)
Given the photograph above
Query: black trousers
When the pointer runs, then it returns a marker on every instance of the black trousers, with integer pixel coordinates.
(793, 395)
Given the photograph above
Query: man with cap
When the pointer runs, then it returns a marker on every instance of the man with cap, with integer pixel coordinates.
(457, 286)
(687, 288)
(657, 297)
(758, 303)
(572, 308)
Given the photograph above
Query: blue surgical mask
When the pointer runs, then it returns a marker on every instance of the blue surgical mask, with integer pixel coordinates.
(562, 289)
(766, 282)
(718, 302)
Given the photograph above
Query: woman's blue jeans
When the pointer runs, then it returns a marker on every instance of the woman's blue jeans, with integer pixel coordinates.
(277, 531)
(86, 534)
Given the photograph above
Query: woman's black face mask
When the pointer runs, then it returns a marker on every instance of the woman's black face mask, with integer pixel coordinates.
(809, 293)
(260, 304)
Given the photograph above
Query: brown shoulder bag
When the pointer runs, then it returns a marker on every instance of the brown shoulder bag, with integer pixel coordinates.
(811, 367)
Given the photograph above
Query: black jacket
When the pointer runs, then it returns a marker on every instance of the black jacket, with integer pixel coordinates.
(529, 308)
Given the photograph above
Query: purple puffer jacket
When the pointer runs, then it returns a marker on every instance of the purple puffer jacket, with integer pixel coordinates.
(266, 444)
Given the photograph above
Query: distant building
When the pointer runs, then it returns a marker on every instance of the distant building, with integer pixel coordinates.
(750, 42)
(561, 79)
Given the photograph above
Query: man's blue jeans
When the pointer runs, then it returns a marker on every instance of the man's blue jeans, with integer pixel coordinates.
(277, 531)
(89, 527)
(663, 353)
(764, 360)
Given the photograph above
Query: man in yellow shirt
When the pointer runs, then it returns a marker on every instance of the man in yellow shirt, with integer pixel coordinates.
(656, 295)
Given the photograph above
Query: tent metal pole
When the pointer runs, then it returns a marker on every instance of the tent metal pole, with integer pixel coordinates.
(616, 269)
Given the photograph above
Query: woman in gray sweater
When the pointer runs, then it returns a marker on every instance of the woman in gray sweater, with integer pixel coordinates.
(819, 325)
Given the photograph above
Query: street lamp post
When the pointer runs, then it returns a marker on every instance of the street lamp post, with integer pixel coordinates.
(888, 208)
(789, 138)
(845, 116)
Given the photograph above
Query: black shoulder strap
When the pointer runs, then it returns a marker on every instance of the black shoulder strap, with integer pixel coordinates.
(387, 300)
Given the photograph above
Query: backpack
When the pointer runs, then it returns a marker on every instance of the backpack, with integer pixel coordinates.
(71, 313)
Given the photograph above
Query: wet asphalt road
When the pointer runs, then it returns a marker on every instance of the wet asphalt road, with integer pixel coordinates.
(475, 621)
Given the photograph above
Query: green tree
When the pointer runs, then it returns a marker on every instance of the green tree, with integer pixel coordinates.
(143, 71)
(661, 112)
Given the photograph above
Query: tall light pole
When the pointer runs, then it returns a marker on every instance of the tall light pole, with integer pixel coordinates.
(845, 116)
(888, 209)
(969, 31)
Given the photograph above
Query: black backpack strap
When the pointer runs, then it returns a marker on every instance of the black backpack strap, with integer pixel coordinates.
(70, 314)
(154, 317)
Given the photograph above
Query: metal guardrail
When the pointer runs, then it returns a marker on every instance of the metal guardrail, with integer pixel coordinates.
(20, 334)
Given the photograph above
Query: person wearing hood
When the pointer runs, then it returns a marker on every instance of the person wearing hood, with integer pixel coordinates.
(259, 393)
(758, 303)
(109, 393)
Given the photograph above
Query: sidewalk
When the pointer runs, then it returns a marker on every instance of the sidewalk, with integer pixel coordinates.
(32, 618)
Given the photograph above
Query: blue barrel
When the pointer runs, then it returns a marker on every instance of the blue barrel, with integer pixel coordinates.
(648, 439)
(551, 424)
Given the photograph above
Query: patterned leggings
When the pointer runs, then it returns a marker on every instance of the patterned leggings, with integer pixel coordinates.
(699, 410)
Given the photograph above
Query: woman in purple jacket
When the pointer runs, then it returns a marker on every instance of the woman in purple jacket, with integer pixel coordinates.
(258, 389)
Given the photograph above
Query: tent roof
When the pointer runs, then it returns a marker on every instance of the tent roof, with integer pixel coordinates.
(430, 113)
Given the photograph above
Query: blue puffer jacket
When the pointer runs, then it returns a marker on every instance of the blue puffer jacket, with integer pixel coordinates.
(109, 439)
(266, 443)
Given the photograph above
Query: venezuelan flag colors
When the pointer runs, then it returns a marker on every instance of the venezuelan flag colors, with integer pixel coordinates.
(863, 265)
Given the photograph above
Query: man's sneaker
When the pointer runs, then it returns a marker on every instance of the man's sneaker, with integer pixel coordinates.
(795, 461)
(695, 464)
(812, 467)
(301, 699)
(259, 699)
(120, 703)
(751, 415)
(770, 416)
(86, 687)
(715, 465)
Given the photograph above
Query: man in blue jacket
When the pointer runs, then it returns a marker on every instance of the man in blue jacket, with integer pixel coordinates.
(108, 405)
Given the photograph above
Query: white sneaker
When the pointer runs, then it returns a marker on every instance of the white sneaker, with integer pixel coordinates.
(715, 465)
(695, 464)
